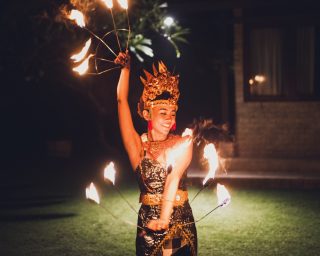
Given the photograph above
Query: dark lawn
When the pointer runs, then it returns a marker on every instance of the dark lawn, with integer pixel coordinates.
(257, 222)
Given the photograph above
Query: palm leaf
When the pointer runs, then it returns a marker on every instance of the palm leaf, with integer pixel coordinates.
(179, 39)
(145, 49)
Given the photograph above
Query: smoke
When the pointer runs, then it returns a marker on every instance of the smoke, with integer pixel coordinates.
(84, 6)
(205, 131)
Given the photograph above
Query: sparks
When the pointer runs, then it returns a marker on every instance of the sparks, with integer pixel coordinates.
(80, 56)
(92, 193)
(110, 172)
(211, 155)
(78, 17)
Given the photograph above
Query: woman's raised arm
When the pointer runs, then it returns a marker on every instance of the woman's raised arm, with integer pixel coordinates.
(130, 137)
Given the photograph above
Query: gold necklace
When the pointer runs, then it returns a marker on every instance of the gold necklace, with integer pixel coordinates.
(156, 148)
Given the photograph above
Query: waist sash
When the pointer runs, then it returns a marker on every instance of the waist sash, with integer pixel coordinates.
(156, 199)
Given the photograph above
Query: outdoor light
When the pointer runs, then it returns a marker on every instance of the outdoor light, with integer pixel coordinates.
(257, 79)
(168, 21)
(260, 78)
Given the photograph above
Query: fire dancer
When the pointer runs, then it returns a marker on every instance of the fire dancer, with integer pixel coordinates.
(165, 213)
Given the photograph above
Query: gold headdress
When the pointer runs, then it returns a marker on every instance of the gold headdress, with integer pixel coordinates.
(155, 85)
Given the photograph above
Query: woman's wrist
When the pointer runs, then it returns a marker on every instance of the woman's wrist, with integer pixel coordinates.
(163, 224)
(123, 59)
(164, 221)
(166, 200)
(125, 68)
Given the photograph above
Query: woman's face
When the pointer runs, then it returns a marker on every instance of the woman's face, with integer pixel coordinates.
(163, 117)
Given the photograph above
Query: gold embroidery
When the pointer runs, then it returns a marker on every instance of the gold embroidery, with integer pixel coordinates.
(157, 148)
(156, 84)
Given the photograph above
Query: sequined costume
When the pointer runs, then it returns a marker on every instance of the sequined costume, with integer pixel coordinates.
(180, 238)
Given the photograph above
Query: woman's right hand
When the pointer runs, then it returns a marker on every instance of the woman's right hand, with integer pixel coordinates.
(157, 225)
(123, 59)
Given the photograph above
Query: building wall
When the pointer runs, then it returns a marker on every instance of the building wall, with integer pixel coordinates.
(273, 129)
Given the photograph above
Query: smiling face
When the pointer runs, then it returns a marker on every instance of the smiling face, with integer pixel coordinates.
(163, 117)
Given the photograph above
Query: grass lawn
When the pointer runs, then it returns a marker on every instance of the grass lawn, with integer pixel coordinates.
(257, 222)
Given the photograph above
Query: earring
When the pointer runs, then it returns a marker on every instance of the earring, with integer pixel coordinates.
(173, 127)
(149, 125)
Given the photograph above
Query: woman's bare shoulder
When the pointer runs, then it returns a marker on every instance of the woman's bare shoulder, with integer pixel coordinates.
(178, 139)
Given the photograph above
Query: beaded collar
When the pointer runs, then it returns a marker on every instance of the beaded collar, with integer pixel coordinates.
(156, 148)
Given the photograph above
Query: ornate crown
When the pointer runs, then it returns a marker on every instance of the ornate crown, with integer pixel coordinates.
(155, 85)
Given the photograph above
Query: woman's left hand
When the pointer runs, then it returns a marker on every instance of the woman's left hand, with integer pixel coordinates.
(123, 59)
(157, 225)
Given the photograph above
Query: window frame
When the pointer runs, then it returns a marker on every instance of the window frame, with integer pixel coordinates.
(265, 18)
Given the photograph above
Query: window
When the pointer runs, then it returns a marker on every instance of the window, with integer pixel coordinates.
(281, 60)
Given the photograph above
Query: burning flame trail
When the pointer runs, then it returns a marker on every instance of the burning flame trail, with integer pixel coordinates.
(109, 174)
(109, 4)
(83, 67)
(78, 17)
(92, 195)
(80, 56)
(223, 195)
(80, 21)
(224, 199)
(124, 5)
(210, 153)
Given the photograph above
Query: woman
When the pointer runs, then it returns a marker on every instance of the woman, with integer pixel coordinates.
(165, 213)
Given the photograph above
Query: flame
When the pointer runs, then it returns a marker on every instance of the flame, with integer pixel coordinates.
(210, 153)
(110, 172)
(92, 193)
(123, 4)
(79, 56)
(175, 152)
(78, 17)
(187, 132)
(223, 195)
(108, 3)
(83, 67)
